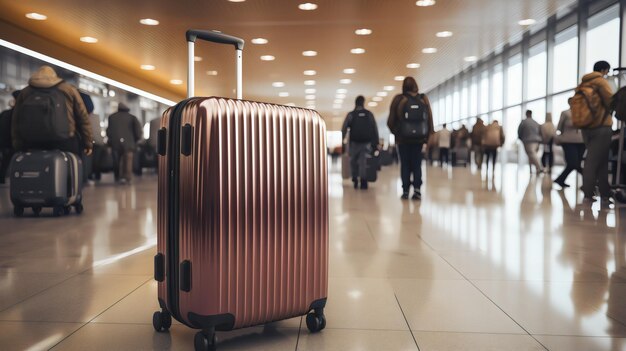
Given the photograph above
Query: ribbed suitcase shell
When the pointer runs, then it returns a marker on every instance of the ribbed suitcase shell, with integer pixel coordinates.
(253, 211)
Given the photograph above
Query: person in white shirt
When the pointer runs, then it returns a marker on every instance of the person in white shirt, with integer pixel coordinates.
(444, 137)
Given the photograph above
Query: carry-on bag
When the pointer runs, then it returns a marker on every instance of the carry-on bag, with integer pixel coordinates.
(46, 178)
(242, 212)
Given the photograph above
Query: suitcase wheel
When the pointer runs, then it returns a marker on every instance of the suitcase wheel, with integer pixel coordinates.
(161, 321)
(79, 209)
(315, 322)
(67, 210)
(18, 211)
(37, 211)
(205, 341)
(58, 211)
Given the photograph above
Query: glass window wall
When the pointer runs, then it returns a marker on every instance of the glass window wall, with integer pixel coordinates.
(514, 76)
(603, 38)
(564, 74)
(537, 71)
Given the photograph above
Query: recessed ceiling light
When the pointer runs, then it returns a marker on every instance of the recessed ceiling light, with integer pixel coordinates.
(197, 58)
(413, 65)
(90, 40)
(425, 3)
(429, 50)
(471, 59)
(349, 71)
(309, 53)
(342, 91)
(149, 22)
(372, 104)
(363, 31)
(309, 82)
(358, 51)
(398, 78)
(308, 6)
(211, 73)
(268, 58)
(444, 34)
(148, 67)
(309, 72)
(390, 87)
(527, 22)
(345, 81)
(310, 97)
(340, 96)
(237, 0)
(176, 82)
(382, 93)
(259, 41)
(338, 101)
(283, 94)
(310, 91)
(278, 84)
(36, 16)
(377, 98)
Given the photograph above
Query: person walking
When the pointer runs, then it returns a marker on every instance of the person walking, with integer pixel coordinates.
(123, 132)
(477, 137)
(6, 146)
(411, 121)
(529, 132)
(597, 133)
(444, 138)
(493, 138)
(571, 140)
(548, 130)
(363, 140)
(73, 136)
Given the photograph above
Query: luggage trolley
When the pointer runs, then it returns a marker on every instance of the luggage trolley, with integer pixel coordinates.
(619, 76)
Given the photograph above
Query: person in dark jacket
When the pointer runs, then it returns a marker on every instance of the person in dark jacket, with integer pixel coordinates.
(6, 146)
(363, 140)
(80, 137)
(410, 150)
(477, 138)
(123, 133)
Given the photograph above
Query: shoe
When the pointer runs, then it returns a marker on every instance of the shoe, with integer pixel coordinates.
(364, 184)
(416, 195)
(355, 182)
(405, 196)
(562, 184)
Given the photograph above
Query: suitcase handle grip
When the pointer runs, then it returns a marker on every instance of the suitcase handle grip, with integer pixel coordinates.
(214, 36)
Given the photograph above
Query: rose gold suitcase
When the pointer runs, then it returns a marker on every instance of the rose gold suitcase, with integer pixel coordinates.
(243, 212)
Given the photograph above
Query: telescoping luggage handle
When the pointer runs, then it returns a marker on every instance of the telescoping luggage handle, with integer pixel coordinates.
(216, 37)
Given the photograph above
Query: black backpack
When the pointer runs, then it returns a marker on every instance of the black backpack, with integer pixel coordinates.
(414, 120)
(618, 104)
(361, 128)
(42, 116)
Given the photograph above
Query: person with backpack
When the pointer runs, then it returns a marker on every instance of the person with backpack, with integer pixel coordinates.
(493, 138)
(363, 140)
(123, 132)
(571, 140)
(529, 132)
(591, 113)
(547, 135)
(411, 121)
(478, 130)
(50, 114)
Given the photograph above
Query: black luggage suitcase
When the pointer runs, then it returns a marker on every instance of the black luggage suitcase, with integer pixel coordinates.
(46, 179)
(145, 157)
(371, 168)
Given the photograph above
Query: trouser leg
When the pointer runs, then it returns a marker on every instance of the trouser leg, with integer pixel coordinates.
(405, 167)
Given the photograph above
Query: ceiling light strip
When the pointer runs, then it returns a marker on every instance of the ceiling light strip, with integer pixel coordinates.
(84, 72)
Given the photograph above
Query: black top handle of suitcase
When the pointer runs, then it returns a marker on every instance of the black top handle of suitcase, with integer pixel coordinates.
(215, 37)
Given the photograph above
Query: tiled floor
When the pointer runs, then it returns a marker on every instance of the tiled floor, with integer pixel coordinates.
(502, 264)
